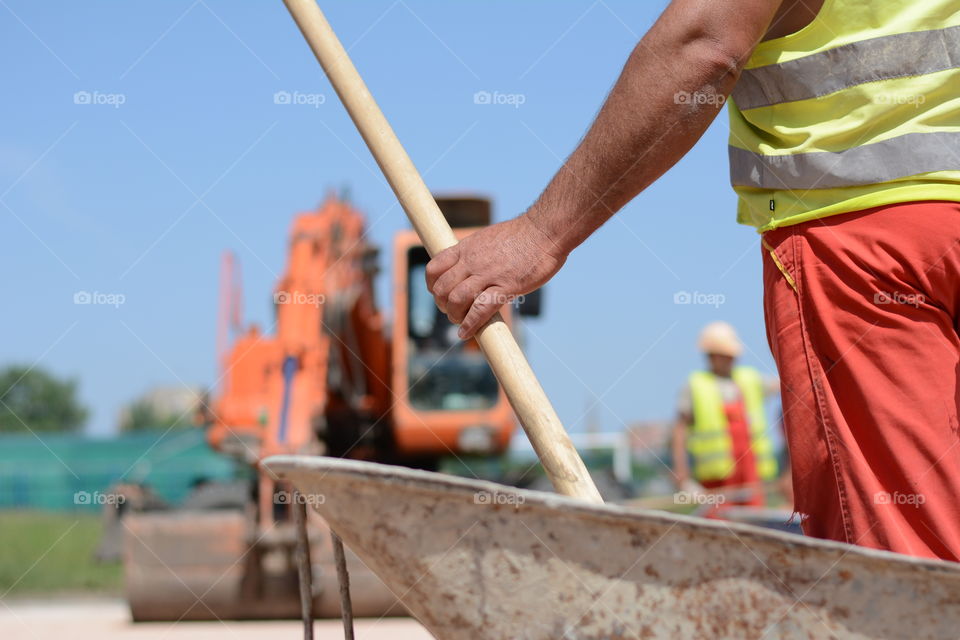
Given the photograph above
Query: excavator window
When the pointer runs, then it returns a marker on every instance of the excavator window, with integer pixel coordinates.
(443, 375)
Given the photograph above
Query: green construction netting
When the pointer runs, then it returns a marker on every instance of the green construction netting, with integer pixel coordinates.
(67, 472)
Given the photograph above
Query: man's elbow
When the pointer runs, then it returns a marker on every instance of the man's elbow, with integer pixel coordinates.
(718, 36)
(720, 63)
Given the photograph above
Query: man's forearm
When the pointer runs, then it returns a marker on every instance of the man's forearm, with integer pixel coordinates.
(672, 87)
(696, 51)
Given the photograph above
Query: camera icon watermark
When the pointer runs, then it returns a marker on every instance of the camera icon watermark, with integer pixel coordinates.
(299, 297)
(514, 100)
(498, 498)
(314, 100)
(97, 298)
(115, 100)
(715, 300)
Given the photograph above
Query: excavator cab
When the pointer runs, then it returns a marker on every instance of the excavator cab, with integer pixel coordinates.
(447, 400)
(444, 372)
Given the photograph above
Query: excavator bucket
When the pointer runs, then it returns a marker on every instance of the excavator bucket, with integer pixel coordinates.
(473, 559)
(208, 565)
(183, 565)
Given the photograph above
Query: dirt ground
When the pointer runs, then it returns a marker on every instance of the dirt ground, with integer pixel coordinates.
(109, 620)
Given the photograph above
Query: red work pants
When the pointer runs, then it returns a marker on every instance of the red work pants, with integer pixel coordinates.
(862, 315)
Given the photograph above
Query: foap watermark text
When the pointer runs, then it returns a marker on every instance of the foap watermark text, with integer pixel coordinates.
(299, 297)
(290, 497)
(514, 100)
(715, 300)
(99, 298)
(497, 498)
(99, 98)
(314, 100)
(98, 498)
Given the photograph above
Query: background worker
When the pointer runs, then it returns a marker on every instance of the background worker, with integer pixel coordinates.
(722, 424)
(845, 155)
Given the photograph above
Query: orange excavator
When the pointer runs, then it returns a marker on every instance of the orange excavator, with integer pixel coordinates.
(330, 377)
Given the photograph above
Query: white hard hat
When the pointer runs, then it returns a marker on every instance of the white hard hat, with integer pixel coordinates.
(720, 338)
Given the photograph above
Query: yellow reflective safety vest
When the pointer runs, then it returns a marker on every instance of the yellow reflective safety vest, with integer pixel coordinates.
(709, 441)
(859, 109)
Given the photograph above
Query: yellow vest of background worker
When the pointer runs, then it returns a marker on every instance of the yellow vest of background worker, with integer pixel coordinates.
(709, 442)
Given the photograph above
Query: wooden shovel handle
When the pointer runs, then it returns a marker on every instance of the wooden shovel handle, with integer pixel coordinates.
(560, 459)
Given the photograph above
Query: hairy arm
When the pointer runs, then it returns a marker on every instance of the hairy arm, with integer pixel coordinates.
(671, 88)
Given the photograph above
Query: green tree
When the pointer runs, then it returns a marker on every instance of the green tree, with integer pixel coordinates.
(31, 398)
(143, 414)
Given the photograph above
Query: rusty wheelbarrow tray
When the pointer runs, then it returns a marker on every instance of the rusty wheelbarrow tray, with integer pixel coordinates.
(473, 559)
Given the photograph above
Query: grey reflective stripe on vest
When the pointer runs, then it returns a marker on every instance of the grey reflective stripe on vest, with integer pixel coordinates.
(906, 155)
(820, 74)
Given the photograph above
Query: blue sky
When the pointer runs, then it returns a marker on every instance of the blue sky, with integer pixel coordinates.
(177, 151)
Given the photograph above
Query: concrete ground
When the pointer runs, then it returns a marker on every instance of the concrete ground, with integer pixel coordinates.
(109, 620)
